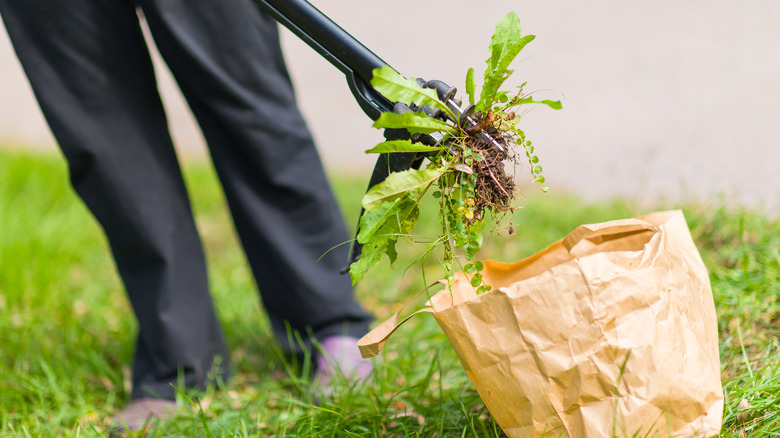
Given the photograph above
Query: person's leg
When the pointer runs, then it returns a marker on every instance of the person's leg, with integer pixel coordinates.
(91, 73)
(226, 58)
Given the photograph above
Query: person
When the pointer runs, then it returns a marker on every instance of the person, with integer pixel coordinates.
(90, 70)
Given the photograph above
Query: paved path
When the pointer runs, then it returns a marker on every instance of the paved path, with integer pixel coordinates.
(663, 99)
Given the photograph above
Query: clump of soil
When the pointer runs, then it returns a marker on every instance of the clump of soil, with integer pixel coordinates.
(495, 188)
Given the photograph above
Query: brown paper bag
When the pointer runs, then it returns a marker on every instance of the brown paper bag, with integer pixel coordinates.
(608, 332)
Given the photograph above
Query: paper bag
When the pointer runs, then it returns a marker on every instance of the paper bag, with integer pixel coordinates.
(609, 332)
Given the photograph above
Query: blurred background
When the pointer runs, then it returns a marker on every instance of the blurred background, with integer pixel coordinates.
(663, 101)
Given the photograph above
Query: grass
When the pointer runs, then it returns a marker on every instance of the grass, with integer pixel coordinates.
(67, 331)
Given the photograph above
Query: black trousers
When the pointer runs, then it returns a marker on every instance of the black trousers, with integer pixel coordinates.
(91, 73)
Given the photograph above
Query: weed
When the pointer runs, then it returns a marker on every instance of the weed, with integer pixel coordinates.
(466, 166)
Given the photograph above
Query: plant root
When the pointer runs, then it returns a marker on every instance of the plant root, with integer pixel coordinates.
(495, 189)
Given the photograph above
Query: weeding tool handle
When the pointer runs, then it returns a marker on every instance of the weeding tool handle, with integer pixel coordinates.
(358, 64)
(336, 45)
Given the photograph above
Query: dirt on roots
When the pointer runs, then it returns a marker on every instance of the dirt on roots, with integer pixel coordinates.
(495, 188)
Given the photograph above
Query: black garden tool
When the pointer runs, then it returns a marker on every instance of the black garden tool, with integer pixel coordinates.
(358, 63)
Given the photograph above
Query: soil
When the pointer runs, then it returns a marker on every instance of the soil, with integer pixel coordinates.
(495, 188)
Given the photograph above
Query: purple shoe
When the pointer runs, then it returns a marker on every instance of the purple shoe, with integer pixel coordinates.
(140, 414)
(339, 356)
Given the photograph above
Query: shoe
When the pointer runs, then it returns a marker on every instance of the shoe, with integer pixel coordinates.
(339, 356)
(141, 413)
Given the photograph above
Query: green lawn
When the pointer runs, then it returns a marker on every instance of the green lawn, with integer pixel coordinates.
(66, 329)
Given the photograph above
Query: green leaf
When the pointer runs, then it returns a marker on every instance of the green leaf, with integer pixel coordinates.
(393, 146)
(398, 183)
(392, 254)
(470, 86)
(370, 256)
(383, 242)
(413, 122)
(505, 45)
(373, 220)
(554, 104)
(397, 88)
(407, 218)
(380, 229)
(396, 217)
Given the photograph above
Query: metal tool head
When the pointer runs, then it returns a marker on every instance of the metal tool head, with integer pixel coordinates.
(463, 118)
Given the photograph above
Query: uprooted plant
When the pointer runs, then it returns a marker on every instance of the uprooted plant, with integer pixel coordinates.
(466, 168)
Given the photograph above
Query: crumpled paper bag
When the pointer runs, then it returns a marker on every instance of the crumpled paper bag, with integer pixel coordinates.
(608, 332)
